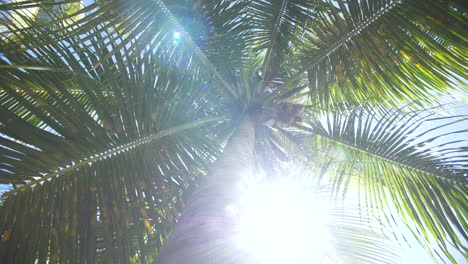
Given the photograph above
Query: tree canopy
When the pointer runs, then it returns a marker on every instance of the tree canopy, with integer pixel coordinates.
(112, 111)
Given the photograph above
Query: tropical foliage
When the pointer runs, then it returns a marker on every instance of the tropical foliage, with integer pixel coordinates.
(110, 115)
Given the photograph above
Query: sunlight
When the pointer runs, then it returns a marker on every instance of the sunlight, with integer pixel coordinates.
(176, 35)
(281, 222)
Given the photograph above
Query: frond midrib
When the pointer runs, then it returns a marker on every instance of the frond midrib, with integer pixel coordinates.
(113, 151)
(381, 157)
(355, 31)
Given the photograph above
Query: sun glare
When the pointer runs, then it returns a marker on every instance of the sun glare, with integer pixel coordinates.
(176, 35)
(282, 222)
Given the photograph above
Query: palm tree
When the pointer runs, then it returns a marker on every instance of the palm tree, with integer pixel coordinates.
(25, 12)
(113, 125)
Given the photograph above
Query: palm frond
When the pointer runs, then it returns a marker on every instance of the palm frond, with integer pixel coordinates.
(216, 27)
(395, 158)
(384, 50)
(358, 238)
(277, 27)
(78, 127)
(118, 208)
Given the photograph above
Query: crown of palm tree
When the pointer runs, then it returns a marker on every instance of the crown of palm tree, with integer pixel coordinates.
(111, 114)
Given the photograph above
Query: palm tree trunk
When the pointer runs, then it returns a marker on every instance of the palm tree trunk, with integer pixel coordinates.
(205, 233)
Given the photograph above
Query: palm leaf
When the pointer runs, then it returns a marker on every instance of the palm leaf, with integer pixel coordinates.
(394, 158)
(276, 24)
(383, 50)
(79, 127)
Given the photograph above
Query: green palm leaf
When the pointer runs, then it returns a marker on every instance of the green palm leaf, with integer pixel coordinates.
(74, 121)
(383, 50)
(395, 158)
